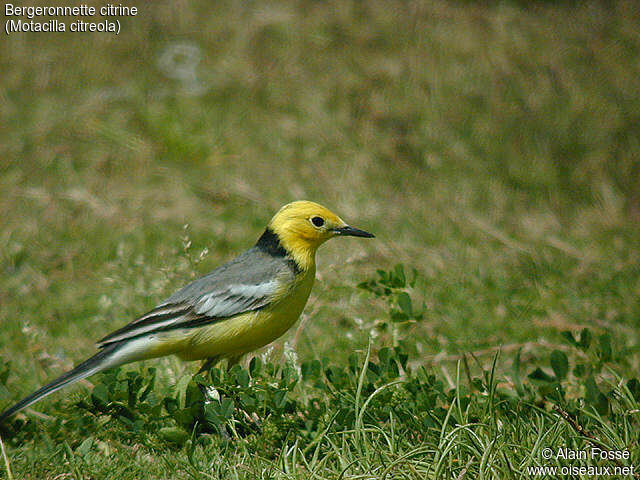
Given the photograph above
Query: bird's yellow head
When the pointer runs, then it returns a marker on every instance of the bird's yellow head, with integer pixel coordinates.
(303, 226)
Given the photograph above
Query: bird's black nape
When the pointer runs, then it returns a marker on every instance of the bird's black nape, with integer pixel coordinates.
(270, 243)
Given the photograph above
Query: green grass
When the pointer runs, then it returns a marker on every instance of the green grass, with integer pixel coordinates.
(493, 148)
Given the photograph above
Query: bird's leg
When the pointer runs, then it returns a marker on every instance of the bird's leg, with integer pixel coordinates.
(208, 363)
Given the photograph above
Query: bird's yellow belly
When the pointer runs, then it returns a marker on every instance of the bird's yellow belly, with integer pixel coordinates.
(235, 336)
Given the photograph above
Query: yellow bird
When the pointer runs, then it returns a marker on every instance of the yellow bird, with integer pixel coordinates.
(239, 307)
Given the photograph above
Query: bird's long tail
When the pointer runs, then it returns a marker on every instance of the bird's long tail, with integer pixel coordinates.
(106, 358)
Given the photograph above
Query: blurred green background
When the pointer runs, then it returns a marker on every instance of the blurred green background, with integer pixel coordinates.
(492, 146)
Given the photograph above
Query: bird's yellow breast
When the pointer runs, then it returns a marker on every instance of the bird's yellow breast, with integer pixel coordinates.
(235, 336)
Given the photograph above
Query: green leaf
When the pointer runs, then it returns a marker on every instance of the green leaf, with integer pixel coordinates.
(181, 388)
(399, 317)
(591, 390)
(580, 370)
(337, 376)
(100, 397)
(255, 366)
(311, 369)
(212, 413)
(402, 357)
(149, 388)
(193, 394)
(369, 286)
(585, 339)
(184, 417)
(226, 408)
(540, 376)
(634, 387)
(559, 364)
(399, 278)
(404, 302)
(242, 378)
(605, 347)
(414, 277)
(384, 355)
(217, 413)
(280, 399)
(595, 397)
(374, 370)
(247, 401)
(174, 435)
(85, 447)
(392, 370)
(568, 336)
(171, 405)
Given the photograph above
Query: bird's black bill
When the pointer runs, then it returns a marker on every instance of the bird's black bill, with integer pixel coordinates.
(353, 232)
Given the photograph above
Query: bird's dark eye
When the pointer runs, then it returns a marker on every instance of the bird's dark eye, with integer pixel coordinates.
(317, 221)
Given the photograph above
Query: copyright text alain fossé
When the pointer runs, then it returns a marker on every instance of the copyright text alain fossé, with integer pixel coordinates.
(569, 462)
(77, 18)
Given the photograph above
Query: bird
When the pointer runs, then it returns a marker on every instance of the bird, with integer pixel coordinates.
(237, 308)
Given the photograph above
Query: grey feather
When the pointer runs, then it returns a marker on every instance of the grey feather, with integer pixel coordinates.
(249, 282)
(253, 267)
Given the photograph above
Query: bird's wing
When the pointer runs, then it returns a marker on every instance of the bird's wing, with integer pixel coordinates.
(250, 282)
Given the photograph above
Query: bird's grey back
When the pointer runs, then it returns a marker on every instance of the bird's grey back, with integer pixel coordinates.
(253, 267)
(249, 282)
